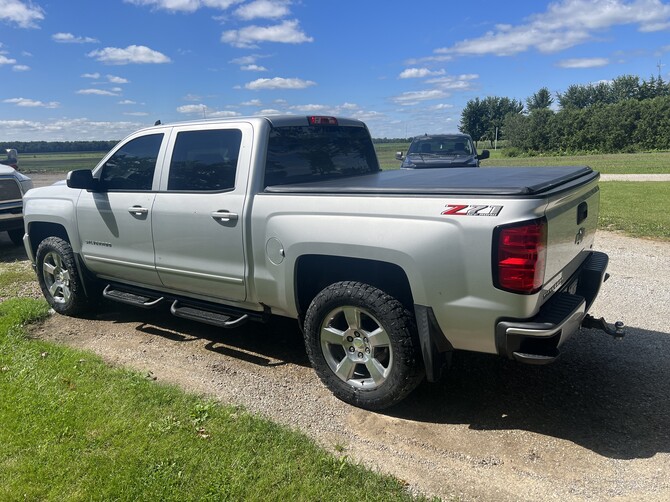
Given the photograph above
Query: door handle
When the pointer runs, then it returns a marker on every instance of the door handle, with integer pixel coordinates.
(223, 215)
(138, 210)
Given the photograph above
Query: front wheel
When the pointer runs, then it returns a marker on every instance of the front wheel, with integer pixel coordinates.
(363, 344)
(58, 277)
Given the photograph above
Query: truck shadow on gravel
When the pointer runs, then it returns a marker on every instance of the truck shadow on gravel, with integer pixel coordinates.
(8, 251)
(276, 343)
(612, 397)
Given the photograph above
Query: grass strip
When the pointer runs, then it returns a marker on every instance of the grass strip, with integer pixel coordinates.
(75, 429)
(638, 209)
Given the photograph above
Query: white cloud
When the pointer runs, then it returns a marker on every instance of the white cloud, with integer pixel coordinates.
(192, 109)
(204, 111)
(419, 73)
(96, 92)
(69, 38)
(442, 106)
(25, 15)
(20, 67)
(288, 32)
(583, 63)
(66, 130)
(565, 24)
(94, 76)
(454, 83)
(266, 9)
(184, 5)
(127, 102)
(192, 97)
(133, 54)
(222, 114)
(136, 114)
(253, 67)
(310, 108)
(279, 83)
(252, 102)
(415, 97)
(31, 103)
(6, 60)
(270, 111)
(117, 80)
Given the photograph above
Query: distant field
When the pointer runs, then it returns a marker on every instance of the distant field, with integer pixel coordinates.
(616, 163)
(58, 162)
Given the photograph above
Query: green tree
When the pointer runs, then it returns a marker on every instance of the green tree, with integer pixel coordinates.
(473, 119)
(541, 100)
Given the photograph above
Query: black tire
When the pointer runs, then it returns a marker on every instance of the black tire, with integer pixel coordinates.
(16, 236)
(363, 344)
(58, 277)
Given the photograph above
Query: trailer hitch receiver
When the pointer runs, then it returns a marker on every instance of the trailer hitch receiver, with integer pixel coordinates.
(618, 332)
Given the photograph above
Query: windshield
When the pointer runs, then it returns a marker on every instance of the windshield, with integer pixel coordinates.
(441, 146)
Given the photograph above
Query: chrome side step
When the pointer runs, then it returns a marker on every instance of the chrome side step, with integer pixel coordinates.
(138, 300)
(207, 316)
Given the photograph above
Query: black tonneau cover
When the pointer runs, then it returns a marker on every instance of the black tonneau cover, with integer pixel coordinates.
(520, 181)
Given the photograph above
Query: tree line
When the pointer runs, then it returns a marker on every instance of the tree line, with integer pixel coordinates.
(623, 115)
(57, 146)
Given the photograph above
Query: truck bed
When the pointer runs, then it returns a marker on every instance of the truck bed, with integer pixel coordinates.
(507, 181)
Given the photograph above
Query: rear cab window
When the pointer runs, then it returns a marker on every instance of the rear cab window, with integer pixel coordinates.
(300, 154)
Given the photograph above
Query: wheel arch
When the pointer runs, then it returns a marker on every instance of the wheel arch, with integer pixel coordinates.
(40, 230)
(315, 272)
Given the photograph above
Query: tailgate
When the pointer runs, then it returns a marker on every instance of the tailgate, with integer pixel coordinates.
(572, 221)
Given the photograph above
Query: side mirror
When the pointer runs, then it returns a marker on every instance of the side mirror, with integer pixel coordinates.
(484, 155)
(399, 156)
(82, 178)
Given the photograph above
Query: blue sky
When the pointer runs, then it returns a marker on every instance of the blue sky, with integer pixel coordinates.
(85, 70)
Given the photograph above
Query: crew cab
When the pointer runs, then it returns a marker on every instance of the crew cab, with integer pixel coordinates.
(441, 150)
(13, 185)
(387, 273)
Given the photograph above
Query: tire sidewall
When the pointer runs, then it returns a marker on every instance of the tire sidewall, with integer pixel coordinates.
(404, 375)
(77, 301)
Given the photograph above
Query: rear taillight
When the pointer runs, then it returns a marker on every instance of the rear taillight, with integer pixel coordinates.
(319, 120)
(520, 256)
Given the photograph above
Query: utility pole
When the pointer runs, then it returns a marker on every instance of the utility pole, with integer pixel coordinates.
(659, 65)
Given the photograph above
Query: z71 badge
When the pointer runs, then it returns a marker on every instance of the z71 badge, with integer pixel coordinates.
(471, 210)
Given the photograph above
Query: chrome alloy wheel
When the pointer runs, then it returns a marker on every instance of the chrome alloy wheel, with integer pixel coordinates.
(56, 277)
(356, 347)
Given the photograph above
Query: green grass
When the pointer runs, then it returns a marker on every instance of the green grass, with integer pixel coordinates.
(616, 163)
(638, 209)
(15, 278)
(59, 162)
(75, 429)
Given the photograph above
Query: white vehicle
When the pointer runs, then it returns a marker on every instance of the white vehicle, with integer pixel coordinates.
(13, 185)
(388, 273)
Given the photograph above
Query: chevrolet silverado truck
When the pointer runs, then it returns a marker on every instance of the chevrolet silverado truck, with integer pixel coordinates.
(13, 185)
(387, 272)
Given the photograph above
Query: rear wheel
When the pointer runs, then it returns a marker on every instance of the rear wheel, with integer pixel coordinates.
(363, 344)
(58, 277)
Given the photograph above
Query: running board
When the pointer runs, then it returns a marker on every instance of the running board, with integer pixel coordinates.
(207, 316)
(138, 300)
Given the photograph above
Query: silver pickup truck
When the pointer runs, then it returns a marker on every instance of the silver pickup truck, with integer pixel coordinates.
(388, 273)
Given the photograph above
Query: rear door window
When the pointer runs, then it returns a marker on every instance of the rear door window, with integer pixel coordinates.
(205, 160)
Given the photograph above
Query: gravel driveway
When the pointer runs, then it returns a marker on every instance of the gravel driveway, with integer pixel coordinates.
(594, 425)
